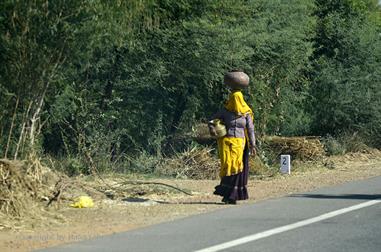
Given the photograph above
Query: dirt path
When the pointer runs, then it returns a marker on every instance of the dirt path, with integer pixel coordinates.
(115, 216)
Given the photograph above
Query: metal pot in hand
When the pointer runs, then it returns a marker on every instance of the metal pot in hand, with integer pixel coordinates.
(219, 128)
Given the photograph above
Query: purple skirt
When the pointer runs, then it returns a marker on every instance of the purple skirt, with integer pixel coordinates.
(235, 187)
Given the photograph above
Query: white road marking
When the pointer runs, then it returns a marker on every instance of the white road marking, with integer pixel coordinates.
(285, 228)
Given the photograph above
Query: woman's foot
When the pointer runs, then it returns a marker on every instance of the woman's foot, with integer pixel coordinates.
(229, 201)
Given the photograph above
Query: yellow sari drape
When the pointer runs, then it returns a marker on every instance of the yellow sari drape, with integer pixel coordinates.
(237, 104)
(231, 149)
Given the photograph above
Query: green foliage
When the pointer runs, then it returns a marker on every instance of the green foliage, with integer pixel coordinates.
(40, 42)
(344, 143)
(98, 81)
(346, 78)
(282, 46)
(144, 163)
(333, 146)
(73, 167)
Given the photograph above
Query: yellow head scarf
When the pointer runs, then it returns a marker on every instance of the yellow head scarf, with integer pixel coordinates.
(237, 104)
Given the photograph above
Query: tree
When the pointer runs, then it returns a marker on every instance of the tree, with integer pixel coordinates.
(40, 41)
(347, 68)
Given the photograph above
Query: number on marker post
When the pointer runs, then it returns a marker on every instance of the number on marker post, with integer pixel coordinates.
(285, 164)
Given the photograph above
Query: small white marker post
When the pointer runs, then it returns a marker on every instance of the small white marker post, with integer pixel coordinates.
(285, 164)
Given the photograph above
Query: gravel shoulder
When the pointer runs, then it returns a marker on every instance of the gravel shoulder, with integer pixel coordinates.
(111, 216)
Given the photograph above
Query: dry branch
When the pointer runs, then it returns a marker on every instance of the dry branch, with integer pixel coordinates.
(134, 182)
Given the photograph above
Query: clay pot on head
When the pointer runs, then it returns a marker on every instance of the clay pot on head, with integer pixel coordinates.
(236, 80)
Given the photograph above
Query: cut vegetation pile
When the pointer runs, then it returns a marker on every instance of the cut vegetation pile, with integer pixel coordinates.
(30, 193)
(23, 187)
(17, 191)
(302, 148)
(195, 163)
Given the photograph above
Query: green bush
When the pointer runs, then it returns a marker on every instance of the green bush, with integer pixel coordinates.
(344, 143)
(73, 166)
(143, 163)
(333, 147)
(354, 142)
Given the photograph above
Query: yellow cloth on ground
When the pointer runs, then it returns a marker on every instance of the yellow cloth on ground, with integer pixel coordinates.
(83, 202)
(230, 150)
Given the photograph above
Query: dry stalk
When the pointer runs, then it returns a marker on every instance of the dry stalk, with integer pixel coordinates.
(22, 136)
(59, 188)
(34, 168)
(11, 128)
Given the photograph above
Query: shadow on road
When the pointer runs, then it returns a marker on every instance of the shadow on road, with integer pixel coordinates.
(191, 203)
(142, 200)
(340, 196)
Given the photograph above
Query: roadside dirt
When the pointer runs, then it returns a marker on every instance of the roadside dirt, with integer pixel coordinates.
(111, 216)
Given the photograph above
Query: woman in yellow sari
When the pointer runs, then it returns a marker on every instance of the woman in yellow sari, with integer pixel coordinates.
(234, 147)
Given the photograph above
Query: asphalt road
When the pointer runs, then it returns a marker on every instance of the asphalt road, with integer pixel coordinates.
(341, 218)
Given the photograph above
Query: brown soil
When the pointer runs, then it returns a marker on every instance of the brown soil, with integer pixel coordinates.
(111, 216)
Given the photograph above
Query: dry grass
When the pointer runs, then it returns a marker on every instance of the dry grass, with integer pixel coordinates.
(17, 191)
(259, 168)
(195, 163)
(302, 148)
(26, 187)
